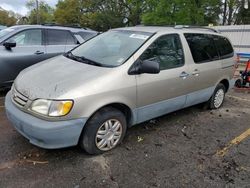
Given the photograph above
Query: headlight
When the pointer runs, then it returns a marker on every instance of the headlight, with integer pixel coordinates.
(52, 108)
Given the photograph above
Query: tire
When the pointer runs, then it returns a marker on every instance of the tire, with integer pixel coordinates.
(238, 83)
(218, 97)
(107, 127)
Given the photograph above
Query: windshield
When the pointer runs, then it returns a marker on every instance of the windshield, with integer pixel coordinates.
(5, 32)
(112, 48)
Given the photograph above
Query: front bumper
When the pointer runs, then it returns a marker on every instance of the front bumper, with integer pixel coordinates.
(45, 134)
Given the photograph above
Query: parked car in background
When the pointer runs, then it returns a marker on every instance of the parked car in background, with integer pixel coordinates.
(92, 94)
(25, 45)
(2, 27)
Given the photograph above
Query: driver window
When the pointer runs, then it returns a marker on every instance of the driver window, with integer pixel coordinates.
(167, 51)
(28, 38)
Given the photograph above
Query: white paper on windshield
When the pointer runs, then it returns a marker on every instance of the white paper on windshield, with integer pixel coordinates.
(138, 36)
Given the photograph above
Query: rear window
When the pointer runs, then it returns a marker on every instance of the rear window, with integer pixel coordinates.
(60, 37)
(224, 47)
(202, 47)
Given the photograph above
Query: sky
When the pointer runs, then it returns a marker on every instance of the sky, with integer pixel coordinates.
(18, 6)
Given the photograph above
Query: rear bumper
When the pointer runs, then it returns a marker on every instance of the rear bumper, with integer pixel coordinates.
(45, 134)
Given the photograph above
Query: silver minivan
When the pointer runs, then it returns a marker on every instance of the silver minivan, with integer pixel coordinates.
(92, 94)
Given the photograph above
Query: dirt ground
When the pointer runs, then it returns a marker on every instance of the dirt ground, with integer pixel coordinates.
(176, 150)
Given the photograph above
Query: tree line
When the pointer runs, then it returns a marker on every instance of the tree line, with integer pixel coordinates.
(8, 18)
(102, 15)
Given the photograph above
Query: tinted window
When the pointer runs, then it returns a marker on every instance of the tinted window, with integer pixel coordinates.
(202, 47)
(28, 37)
(86, 35)
(224, 47)
(167, 50)
(59, 37)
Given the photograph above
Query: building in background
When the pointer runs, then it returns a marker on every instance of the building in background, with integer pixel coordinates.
(239, 36)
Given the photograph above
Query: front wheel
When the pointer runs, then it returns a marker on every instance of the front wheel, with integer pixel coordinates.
(104, 131)
(218, 97)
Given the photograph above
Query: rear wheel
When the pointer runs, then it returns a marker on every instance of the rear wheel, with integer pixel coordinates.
(104, 131)
(217, 99)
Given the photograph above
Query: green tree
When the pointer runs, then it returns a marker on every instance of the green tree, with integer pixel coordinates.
(100, 14)
(243, 15)
(68, 12)
(97, 14)
(172, 12)
(234, 12)
(44, 14)
(103, 14)
(133, 11)
(7, 18)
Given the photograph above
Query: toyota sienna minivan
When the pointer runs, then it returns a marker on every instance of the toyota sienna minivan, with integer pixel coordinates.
(93, 93)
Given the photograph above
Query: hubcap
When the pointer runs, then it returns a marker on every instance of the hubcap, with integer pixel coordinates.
(219, 97)
(108, 135)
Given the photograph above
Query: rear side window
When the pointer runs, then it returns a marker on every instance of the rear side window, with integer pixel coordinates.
(167, 50)
(202, 47)
(60, 37)
(224, 47)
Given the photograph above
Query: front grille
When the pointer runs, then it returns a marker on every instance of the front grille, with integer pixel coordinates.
(18, 98)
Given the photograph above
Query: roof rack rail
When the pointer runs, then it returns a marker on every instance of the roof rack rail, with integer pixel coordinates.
(196, 27)
(60, 25)
(154, 25)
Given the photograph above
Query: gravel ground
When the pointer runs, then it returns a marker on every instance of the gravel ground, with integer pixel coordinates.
(176, 150)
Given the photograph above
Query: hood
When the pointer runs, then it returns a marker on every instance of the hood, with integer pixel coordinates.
(56, 78)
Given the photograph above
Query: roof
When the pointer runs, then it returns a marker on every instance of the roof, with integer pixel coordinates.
(72, 29)
(170, 29)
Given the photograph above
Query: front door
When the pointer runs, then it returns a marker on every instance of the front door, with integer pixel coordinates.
(158, 94)
(28, 51)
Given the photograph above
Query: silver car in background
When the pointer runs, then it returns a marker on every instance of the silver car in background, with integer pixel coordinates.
(125, 76)
(25, 45)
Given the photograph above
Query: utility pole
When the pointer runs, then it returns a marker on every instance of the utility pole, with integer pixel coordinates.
(37, 13)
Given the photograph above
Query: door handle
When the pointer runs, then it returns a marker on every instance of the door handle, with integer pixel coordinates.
(39, 52)
(184, 75)
(196, 72)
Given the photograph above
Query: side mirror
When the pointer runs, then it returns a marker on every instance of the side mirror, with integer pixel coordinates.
(150, 67)
(9, 44)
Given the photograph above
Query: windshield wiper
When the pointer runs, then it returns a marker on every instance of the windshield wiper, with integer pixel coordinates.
(91, 62)
(70, 56)
(84, 60)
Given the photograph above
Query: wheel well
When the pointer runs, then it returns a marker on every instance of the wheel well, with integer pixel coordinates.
(124, 109)
(121, 107)
(225, 82)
